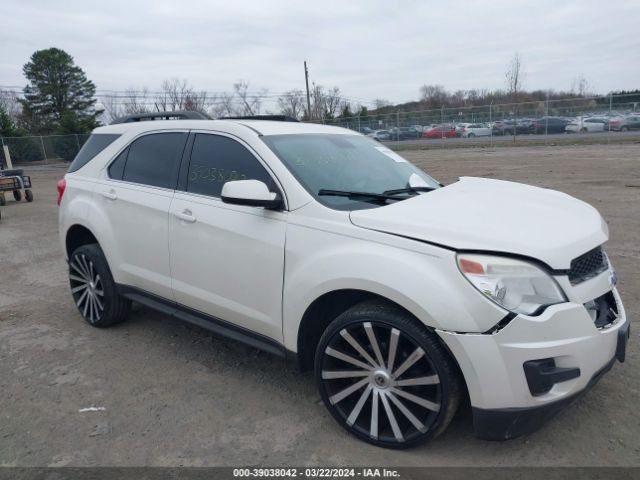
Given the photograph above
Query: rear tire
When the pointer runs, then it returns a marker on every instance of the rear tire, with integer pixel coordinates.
(385, 377)
(17, 195)
(3, 200)
(28, 195)
(93, 288)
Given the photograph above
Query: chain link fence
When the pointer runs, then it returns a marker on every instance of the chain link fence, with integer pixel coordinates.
(42, 149)
(600, 116)
(593, 119)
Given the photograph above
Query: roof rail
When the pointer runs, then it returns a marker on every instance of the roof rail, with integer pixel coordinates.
(176, 115)
(275, 118)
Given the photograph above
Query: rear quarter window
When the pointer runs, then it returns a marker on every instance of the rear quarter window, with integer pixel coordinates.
(96, 143)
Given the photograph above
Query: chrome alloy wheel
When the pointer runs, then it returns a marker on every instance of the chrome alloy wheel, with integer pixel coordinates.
(86, 287)
(381, 383)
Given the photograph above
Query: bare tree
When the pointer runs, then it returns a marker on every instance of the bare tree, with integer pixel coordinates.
(292, 104)
(381, 103)
(131, 101)
(580, 86)
(198, 101)
(173, 94)
(10, 103)
(433, 95)
(113, 107)
(334, 102)
(514, 76)
(248, 104)
(137, 101)
(326, 103)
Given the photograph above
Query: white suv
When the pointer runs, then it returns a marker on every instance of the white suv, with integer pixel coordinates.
(315, 242)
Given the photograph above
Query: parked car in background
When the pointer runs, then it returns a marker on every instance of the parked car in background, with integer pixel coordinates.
(471, 130)
(404, 133)
(441, 131)
(626, 123)
(507, 127)
(548, 125)
(460, 128)
(584, 125)
(380, 135)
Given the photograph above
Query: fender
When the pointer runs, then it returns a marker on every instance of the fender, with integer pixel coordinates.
(421, 278)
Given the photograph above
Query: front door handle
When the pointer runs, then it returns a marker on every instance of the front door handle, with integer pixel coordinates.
(185, 216)
(110, 194)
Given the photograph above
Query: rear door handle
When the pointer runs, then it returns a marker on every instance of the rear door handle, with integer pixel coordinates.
(185, 215)
(110, 194)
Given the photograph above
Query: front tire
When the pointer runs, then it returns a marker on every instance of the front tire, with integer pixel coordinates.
(93, 288)
(385, 378)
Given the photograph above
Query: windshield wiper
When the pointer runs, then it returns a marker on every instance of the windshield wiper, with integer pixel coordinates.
(363, 196)
(408, 190)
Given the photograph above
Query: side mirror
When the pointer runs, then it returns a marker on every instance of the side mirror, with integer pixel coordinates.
(252, 193)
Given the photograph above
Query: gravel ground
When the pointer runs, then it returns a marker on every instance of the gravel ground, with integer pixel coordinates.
(175, 395)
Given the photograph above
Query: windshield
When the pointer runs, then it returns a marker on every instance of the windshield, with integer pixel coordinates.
(349, 163)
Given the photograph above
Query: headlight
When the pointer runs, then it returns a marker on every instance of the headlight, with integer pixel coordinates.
(515, 285)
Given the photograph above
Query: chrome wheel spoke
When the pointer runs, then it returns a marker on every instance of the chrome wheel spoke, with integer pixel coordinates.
(77, 268)
(373, 427)
(92, 306)
(357, 347)
(84, 295)
(86, 305)
(411, 359)
(423, 402)
(348, 391)
(353, 416)
(333, 374)
(85, 265)
(392, 418)
(394, 336)
(346, 358)
(98, 303)
(429, 380)
(374, 343)
(76, 278)
(77, 289)
(407, 413)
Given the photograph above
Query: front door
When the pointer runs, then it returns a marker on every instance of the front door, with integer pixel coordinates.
(227, 261)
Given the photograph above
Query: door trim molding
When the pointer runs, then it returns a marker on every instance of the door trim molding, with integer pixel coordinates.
(203, 320)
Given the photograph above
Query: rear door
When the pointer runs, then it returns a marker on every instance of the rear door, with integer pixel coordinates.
(135, 198)
(227, 261)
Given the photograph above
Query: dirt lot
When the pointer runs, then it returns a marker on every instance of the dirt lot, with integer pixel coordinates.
(175, 395)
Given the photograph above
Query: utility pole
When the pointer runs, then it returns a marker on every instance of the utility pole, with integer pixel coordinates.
(306, 80)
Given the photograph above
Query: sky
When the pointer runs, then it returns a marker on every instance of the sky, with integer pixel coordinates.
(370, 49)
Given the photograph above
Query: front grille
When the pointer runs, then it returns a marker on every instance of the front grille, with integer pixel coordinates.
(588, 266)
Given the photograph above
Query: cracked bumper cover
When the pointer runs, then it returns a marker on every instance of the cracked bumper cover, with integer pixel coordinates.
(493, 366)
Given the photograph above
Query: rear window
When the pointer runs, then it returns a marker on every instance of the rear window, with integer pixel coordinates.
(92, 147)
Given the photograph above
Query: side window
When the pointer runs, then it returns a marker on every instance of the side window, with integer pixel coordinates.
(92, 147)
(155, 159)
(216, 160)
(116, 169)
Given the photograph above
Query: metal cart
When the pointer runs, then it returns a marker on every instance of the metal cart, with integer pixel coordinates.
(14, 181)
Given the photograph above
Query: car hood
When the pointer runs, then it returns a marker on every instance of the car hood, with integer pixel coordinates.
(494, 215)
